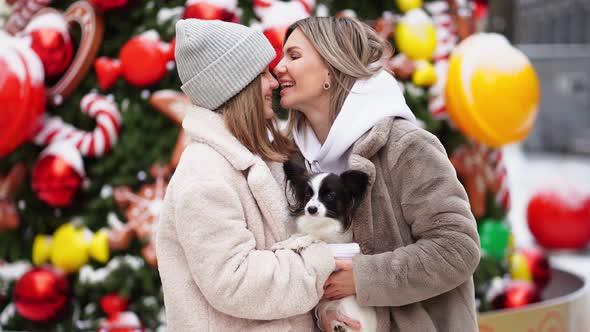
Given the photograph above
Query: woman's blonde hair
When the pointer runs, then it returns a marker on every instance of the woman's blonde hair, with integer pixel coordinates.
(350, 49)
(244, 118)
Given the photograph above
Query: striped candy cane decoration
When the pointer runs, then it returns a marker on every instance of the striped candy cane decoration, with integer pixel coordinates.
(91, 144)
(22, 12)
(446, 42)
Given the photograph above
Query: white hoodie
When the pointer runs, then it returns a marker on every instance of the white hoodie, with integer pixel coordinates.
(369, 101)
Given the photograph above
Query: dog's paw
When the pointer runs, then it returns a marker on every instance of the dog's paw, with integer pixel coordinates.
(339, 328)
(296, 242)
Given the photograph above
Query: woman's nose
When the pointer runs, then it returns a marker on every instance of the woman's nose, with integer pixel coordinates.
(273, 83)
(280, 67)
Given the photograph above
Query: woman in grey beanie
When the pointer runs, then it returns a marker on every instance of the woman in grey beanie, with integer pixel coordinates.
(225, 205)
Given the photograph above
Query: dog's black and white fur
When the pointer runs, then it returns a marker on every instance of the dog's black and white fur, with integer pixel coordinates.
(324, 204)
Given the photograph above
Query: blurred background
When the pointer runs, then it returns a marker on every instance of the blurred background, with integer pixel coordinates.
(90, 133)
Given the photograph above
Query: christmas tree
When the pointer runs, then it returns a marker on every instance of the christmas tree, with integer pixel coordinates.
(90, 134)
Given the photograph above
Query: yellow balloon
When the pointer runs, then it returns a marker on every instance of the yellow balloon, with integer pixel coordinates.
(519, 269)
(415, 35)
(407, 5)
(42, 246)
(492, 90)
(424, 75)
(70, 248)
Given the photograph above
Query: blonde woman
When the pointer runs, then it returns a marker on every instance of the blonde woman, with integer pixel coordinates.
(225, 204)
(417, 235)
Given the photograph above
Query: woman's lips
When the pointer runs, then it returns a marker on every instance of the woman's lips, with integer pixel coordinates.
(284, 90)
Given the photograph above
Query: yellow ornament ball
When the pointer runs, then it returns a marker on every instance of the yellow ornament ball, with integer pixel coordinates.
(415, 35)
(519, 268)
(492, 90)
(424, 75)
(70, 248)
(407, 5)
(42, 246)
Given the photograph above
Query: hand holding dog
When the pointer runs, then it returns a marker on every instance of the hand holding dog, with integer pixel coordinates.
(340, 284)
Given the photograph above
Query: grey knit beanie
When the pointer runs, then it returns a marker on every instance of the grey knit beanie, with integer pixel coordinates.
(216, 59)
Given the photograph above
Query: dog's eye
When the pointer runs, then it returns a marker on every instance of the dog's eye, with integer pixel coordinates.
(330, 196)
(308, 193)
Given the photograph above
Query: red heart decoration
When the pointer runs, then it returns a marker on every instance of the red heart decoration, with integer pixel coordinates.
(560, 219)
(107, 71)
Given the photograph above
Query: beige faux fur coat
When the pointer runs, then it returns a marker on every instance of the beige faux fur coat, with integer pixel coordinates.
(223, 208)
(417, 232)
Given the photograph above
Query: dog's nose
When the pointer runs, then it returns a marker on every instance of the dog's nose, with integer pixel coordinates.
(312, 210)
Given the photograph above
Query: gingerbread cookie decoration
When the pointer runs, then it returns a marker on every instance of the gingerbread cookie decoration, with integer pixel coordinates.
(9, 219)
(173, 105)
(462, 15)
(402, 66)
(476, 167)
(142, 211)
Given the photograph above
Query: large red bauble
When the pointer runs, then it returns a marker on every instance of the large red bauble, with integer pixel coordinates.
(276, 36)
(113, 304)
(517, 294)
(143, 60)
(58, 174)
(40, 294)
(207, 11)
(55, 51)
(22, 93)
(559, 219)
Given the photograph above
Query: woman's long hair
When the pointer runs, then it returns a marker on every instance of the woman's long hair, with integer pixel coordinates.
(244, 118)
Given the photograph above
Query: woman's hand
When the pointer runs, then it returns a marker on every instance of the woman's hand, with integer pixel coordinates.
(340, 284)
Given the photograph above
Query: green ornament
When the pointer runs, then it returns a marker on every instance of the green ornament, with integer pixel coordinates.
(494, 236)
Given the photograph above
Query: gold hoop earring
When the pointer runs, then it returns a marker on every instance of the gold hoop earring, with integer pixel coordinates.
(327, 86)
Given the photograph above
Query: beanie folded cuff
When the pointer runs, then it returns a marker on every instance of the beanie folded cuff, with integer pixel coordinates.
(230, 73)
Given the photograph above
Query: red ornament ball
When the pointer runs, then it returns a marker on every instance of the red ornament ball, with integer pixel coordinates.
(51, 40)
(22, 93)
(58, 174)
(106, 5)
(207, 11)
(113, 304)
(121, 322)
(517, 294)
(538, 265)
(143, 60)
(40, 294)
(54, 49)
(560, 218)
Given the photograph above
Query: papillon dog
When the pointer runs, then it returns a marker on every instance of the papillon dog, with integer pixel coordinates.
(324, 204)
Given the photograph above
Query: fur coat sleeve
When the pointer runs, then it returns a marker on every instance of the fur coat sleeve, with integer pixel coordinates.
(445, 245)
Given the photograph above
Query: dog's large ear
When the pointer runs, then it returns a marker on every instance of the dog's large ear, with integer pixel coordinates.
(293, 172)
(356, 182)
(297, 177)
